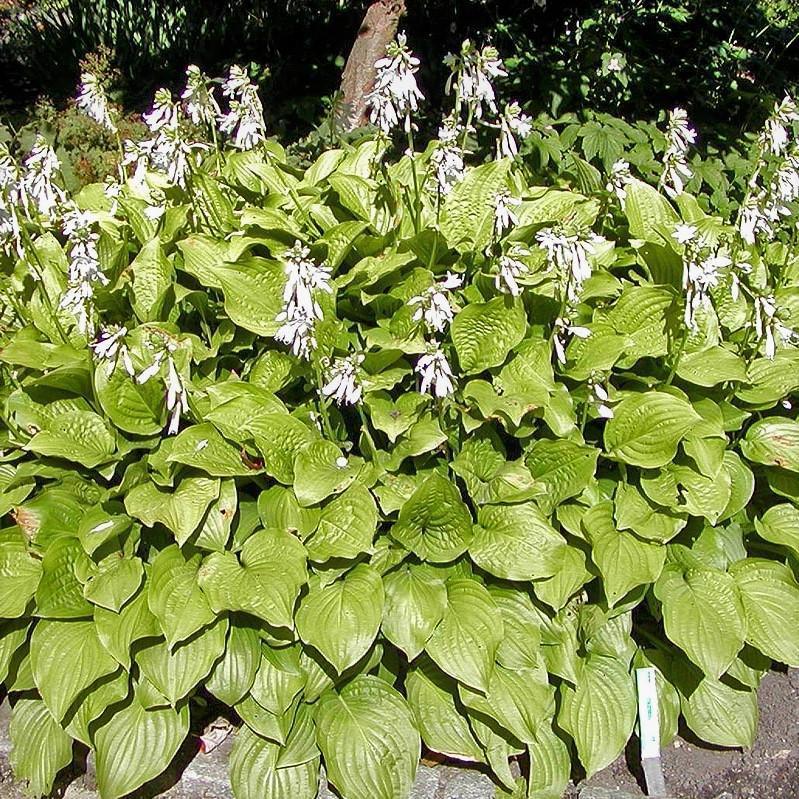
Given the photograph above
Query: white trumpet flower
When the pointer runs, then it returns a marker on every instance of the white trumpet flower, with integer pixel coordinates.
(563, 330)
(504, 217)
(510, 270)
(618, 179)
(244, 122)
(433, 306)
(679, 137)
(342, 380)
(93, 101)
(41, 165)
(201, 105)
(513, 123)
(436, 373)
(472, 72)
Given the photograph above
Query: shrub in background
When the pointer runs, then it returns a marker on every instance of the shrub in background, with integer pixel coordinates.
(392, 450)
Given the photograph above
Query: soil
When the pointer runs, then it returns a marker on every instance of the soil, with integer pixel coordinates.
(769, 770)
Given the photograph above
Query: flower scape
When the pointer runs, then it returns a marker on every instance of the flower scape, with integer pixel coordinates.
(399, 449)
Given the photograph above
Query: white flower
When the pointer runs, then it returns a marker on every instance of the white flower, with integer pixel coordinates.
(110, 344)
(513, 123)
(163, 114)
(769, 328)
(599, 398)
(618, 179)
(563, 329)
(303, 278)
(504, 217)
(614, 64)
(297, 332)
(679, 136)
(41, 165)
(436, 373)
(471, 73)
(395, 94)
(699, 277)
(342, 380)
(176, 397)
(201, 105)
(752, 220)
(447, 157)
(775, 136)
(684, 233)
(152, 370)
(434, 307)
(510, 269)
(93, 102)
(569, 256)
(245, 119)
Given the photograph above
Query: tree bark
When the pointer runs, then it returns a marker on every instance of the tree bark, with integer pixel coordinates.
(378, 28)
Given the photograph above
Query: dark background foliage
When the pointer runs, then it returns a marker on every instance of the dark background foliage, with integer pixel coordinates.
(721, 59)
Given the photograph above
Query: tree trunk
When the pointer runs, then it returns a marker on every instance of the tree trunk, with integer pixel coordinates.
(378, 28)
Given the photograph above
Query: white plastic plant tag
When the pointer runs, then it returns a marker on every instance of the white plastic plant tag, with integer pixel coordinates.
(648, 717)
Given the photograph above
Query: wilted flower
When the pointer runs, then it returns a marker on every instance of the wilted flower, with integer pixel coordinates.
(245, 119)
(504, 217)
(395, 94)
(435, 372)
(342, 380)
(471, 73)
(93, 102)
(433, 304)
(562, 331)
(679, 136)
(513, 123)
(618, 179)
(201, 105)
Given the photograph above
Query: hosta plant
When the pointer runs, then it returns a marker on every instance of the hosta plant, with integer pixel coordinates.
(398, 451)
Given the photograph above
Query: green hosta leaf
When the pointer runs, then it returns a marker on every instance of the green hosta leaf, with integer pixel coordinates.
(175, 673)
(639, 314)
(465, 642)
(253, 294)
(599, 712)
(134, 408)
(563, 468)
(703, 615)
(703, 496)
(711, 366)
(39, 747)
(521, 646)
(394, 417)
(174, 596)
(346, 527)
(152, 276)
(203, 448)
(135, 745)
(79, 436)
(774, 442)
(515, 542)
(623, 560)
(571, 575)
(550, 765)
(770, 599)
(280, 677)
(341, 620)
(484, 333)
(742, 484)
(519, 700)
(468, 218)
(266, 724)
(432, 697)
(647, 208)
(108, 691)
(265, 579)
(259, 768)
(280, 438)
(114, 586)
(369, 740)
(415, 603)
(278, 507)
(19, 575)
(633, 511)
(66, 658)
(181, 510)
(235, 672)
(771, 379)
(780, 525)
(202, 255)
(13, 634)
(117, 631)
(720, 714)
(321, 470)
(60, 592)
(646, 428)
(214, 532)
(434, 523)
